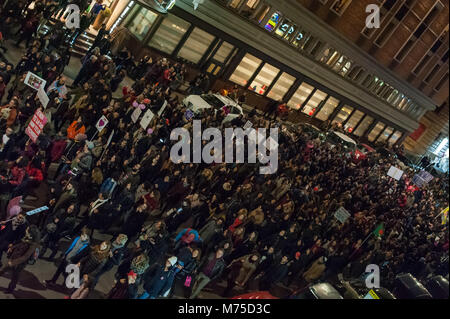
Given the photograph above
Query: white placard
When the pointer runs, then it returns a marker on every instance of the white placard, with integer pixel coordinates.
(102, 122)
(395, 173)
(43, 98)
(135, 115)
(342, 215)
(248, 125)
(32, 80)
(163, 107)
(146, 119)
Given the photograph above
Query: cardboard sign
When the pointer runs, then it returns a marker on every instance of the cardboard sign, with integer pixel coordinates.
(248, 125)
(43, 98)
(102, 122)
(422, 178)
(32, 80)
(395, 173)
(146, 119)
(163, 107)
(136, 114)
(342, 215)
(36, 125)
(189, 115)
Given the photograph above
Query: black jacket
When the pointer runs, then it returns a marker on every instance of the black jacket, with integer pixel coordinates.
(218, 267)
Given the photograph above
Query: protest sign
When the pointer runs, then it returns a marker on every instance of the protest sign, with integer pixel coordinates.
(43, 98)
(248, 125)
(32, 80)
(36, 125)
(342, 214)
(146, 119)
(102, 122)
(163, 107)
(395, 173)
(189, 115)
(37, 210)
(136, 114)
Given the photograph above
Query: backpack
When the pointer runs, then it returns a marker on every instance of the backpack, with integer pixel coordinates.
(34, 257)
(108, 186)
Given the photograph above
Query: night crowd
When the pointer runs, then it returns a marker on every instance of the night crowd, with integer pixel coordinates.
(174, 228)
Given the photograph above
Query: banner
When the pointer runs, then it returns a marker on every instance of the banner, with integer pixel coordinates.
(32, 80)
(36, 125)
(37, 210)
(102, 122)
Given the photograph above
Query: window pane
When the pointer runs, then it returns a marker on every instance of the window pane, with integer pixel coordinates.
(363, 126)
(317, 98)
(262, 13)
(245, 70)
(300, 96)
(196, 45)
(343, 114)
(142, 23)
(281, 87)
(235, 3)
(169, 34)
(264, 79)
(385, 135)
(223, 52)
(354, 120)
(375, 131)
(395, 137)
(327, 109)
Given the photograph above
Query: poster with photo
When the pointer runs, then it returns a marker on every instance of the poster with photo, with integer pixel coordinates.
(34, 81)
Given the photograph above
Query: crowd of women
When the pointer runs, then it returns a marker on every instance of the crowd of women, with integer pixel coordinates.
(175, 228)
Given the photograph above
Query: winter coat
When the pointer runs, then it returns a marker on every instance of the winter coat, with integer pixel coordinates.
(315, 271)
(208, 231)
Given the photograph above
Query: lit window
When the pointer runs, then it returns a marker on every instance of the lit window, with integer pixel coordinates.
(339, 6)
(169, 34)
(363, 126)
(245, 70)
(327, 109)
(286, 29)
(353, 121)
(273, 21)
(300, 96)
(346, 68)
(264, 79)
(196, 45)
(343, 114)
(281, 87)
(395, 137)
(375, 131)
(142, 23)
(262, 13)
(315, 100)
(333, 58)
(223, 52)
(385, 135)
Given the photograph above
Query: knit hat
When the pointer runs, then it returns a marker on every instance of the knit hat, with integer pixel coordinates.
(173, 260)
(121, 239)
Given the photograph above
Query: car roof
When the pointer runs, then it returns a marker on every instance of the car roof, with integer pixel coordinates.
(228, 101)
(368, 147)
(325, 291)
(310, 125)
(344, 137)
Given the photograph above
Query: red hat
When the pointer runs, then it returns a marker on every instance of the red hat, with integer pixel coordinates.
(297, 255)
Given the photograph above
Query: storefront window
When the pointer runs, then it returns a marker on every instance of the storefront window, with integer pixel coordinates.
(245, 70)
(262, 13)
(346, 68)
(385, 135)
(235, 3)
(286, 30)
(353, 121)
(169, 34)
(281, 87)
(327, 54)
(249, 8)
(223, 52)
(273, 21)
(327, 109)
(142, 23)
(315, 100)
(300, 96)
(375, 131)
(363, 126)
(343, 114)
(264, 79)
(340, 63)
(299, 38)
(333, 58)
(395, 137)
(196, 45)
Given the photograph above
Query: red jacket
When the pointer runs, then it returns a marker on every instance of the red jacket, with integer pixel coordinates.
(35, 172)
(17, 175)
